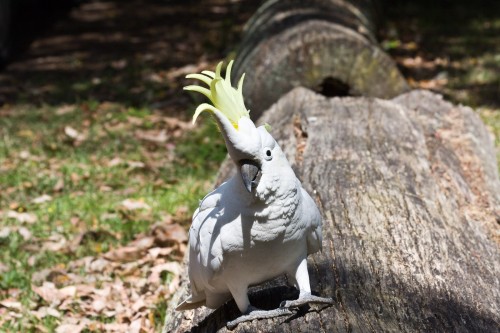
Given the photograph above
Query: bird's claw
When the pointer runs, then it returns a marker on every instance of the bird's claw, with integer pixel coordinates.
(259, 314)
(285, 309)
(306, 299)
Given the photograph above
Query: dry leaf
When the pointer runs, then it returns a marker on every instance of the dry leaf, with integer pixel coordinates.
(25, 233)
(166, 233)
(55, 243)
(71, 132)
(74, 135)
(99, 265)
(133, 204)
(159, 251)
(119, 64)
(32, 260)
(67, 292)
(114, 162)
(59, 185)
(125, 254)
(24, 155)
(75, 178)
(181, 212)
(73, 328)
(135, 164)
(105, 188)
(135, 326)
(14, 205)
(98, 305)
(143, 243)
(46, 311)
(49, 293)
(85, 290)
(41, 275)
(64, 109)
(152, 136)
(154, 77)
(138, 305)
(114, 327)
(172, 267)
(22, 217)
(11, 304)
(41, 199)
(5, 232)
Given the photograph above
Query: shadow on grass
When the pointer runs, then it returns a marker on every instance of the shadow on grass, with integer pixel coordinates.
(30, 19)
(464, 28)
(123, 51)
(466, 34)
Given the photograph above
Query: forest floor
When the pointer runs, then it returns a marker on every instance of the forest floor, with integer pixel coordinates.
(101, 168)
(450, 47)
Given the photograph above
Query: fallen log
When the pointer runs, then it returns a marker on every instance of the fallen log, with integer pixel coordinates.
(409, 191)
(325, 45)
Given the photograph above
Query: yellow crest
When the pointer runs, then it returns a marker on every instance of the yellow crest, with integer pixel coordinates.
(225, 98)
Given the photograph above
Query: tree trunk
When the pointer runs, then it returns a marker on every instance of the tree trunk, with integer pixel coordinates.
(408, 190)
(325, 45)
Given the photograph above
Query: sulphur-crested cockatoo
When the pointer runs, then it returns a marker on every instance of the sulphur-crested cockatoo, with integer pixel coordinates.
(256, 226)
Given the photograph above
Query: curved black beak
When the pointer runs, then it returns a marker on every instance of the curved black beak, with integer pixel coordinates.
(250, 173)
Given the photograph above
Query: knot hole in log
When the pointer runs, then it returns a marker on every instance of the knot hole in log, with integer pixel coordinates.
(333, 87)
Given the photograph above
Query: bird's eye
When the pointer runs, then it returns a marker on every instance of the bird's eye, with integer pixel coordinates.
(268, 155)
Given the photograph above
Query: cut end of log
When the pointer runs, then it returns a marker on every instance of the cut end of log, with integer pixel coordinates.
(327, 46)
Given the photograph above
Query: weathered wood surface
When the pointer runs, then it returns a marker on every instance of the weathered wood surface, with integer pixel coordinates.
(325, 45)
(409, 192)
(277, 15)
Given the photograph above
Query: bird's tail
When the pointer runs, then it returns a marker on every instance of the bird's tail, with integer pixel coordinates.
(191, 303)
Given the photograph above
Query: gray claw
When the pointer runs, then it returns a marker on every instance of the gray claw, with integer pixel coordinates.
(305, 299)
(258, 314)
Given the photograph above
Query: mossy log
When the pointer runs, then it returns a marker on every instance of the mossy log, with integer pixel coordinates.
(325, 45)
(409, 190)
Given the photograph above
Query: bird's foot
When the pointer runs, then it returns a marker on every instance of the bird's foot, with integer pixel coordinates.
(255, 313)
(304, 299)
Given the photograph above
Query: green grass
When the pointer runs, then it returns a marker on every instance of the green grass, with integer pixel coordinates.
(36, 155)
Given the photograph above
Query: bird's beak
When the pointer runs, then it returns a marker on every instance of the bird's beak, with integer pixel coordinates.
(250, 173)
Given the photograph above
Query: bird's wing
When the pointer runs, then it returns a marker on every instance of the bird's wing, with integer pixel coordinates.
(312, 216)
(214, 214)
(200, 244)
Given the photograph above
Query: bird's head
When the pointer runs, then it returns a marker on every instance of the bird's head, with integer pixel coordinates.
(251, 148)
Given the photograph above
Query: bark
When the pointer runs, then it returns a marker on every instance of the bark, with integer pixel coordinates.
(325, 45)
(409, 192)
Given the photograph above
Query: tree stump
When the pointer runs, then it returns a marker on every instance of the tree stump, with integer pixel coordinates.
(409, 191)
(325, 45)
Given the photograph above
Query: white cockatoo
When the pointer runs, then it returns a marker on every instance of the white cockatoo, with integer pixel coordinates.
(257, 225)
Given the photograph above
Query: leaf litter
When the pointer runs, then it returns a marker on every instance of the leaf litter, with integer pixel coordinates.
(120, 286)
(116, 291)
